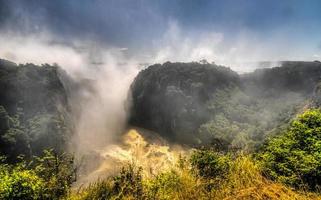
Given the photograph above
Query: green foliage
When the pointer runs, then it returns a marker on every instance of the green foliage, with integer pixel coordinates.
(17, 183)
(43, 131)
(128, 183)
(47, 131)
(170, 98)
(33, 110)
(99, 190)
(47, 177)
(4, 119)
(242, 180)
(163, 186)
(13, 139)
(202, 103)
(58, 172)
(294, 157)
(210, 164)
(239, 121)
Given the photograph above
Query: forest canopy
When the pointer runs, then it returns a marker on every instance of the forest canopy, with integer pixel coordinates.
(196, 103)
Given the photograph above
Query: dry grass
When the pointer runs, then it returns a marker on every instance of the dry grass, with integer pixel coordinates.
(243, 182)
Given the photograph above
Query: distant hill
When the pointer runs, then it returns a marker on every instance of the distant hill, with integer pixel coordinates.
(198, 103)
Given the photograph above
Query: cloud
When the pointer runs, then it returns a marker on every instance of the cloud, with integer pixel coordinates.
(39, 49)
(241, 53)
(173, 30)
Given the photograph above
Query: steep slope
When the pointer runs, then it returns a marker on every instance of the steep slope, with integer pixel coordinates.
(170, 98)
(33, 109)
(198, 103)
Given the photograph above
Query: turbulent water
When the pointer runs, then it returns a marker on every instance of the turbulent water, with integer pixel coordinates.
(137, 146)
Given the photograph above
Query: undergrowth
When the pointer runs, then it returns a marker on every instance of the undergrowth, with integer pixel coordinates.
(242, 180)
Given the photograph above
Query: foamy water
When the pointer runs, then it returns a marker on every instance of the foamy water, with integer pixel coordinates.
(139, 147)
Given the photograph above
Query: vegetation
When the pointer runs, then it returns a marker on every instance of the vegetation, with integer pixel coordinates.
(243, 180)
(169, 98)
(33, 110)
(47, 177)
(294, 157)
(225, 116)
(291, 158)
(19, 183)
(198, 103)
(210, 164)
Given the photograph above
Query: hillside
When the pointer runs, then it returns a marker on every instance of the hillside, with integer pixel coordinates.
(34, 110)
(170, 98)
(198, 103)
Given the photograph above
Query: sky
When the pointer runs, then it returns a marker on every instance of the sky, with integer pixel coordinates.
(222, 31)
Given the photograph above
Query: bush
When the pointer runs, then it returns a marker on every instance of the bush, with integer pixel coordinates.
(129, 182)
(46, 177)
(58, 172)
(164, 185)
(95, 191)
(19, 183)
(294, 157)
(210, 164)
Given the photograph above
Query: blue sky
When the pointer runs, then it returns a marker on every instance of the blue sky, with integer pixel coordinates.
(143, 25)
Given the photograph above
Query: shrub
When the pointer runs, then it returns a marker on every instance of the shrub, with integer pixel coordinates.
(46, 177)
(95, 191)
(294, 157)
(58, 172)
(19, 183)
(129, 182)
(164, 185)
(210, 164)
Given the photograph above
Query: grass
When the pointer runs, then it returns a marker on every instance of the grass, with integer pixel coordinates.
(244, 180)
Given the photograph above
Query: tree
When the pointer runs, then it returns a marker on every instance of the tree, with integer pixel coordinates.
(294, 157)
(210, 164)
(58, 172)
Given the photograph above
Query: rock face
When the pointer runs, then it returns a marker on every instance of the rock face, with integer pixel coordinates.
(33, 109)
(192, 102)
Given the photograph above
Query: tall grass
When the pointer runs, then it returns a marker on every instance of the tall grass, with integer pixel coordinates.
(243, 180)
